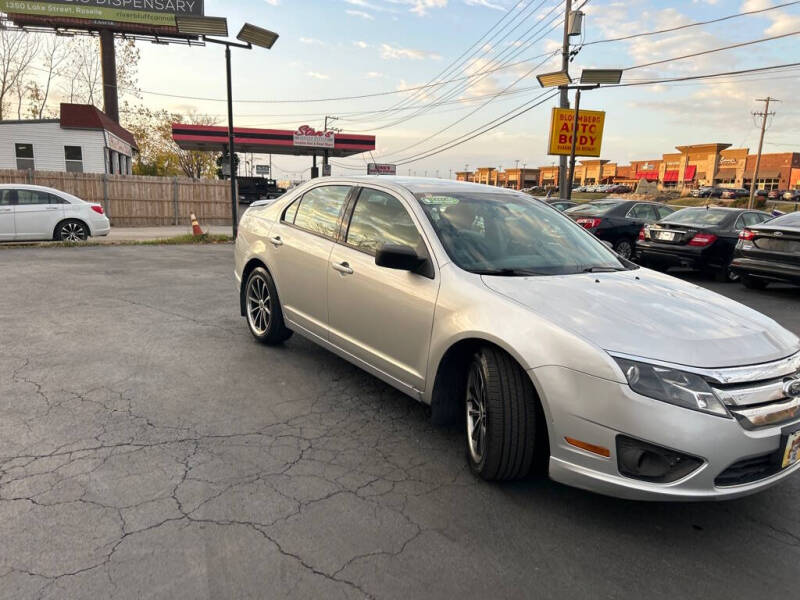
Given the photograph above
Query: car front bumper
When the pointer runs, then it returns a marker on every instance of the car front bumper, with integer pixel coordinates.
(596, 411)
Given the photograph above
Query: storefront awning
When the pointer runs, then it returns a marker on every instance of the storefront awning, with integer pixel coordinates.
(648, 175)
(726, 174)
(670, 176)
(762, 174)
(689, 173)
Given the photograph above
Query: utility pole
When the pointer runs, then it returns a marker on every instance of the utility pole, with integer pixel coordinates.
(564, 100)
(766, 114)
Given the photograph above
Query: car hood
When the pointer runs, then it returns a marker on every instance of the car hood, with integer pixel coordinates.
(652, 315)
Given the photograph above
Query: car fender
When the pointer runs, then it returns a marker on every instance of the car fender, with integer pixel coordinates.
(468, 310)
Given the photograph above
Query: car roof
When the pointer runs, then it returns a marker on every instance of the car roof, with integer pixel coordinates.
(25, 186)
(415, 185)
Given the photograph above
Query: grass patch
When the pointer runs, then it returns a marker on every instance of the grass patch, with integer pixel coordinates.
(180, 240)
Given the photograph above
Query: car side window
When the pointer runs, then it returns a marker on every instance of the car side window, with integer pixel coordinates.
(291, 212)
(379, 219)
(751, 219)
(645, 212)
(31, 197)
(5, 197)
(320, 209)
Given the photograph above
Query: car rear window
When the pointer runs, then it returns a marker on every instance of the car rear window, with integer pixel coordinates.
(701, 217)
(790, 220)
(593, 209)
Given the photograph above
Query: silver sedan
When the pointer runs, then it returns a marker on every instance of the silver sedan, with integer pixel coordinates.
(557, 355)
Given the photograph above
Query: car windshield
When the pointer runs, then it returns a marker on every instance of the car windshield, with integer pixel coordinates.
(508, 234)
(594, 209)
(700, 217)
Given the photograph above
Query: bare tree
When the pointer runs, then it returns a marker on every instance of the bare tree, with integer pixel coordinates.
(18, 50)
(55, 55)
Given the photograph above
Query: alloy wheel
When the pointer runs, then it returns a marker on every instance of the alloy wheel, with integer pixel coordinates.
(72, 232)
(259, 305)
(476, 413)
(624, 249)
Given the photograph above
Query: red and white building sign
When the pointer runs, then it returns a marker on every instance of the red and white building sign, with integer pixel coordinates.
(310, 137)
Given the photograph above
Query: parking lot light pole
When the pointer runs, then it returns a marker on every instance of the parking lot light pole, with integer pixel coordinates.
(249, 36)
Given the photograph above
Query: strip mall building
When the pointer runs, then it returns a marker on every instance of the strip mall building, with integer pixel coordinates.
(690, 167)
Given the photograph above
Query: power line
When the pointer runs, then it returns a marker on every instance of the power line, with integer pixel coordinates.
(689, 25)
(713, 50)
(453, 145)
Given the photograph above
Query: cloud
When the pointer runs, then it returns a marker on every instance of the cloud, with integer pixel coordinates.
(420, 7)
(360, 44)
(392, 53)
(780, 21)
(272, 2)
(485, 4)
(360, 13)
(315, 75)
(375, 75)
(311, 41)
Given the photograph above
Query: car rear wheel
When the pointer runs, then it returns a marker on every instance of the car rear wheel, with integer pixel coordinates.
(624, 248)
(72, 231)
(753, 283)
(264, 314)
(726, 275)
(502, 412)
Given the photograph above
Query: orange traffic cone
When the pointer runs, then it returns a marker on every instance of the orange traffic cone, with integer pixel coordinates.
(196, 231)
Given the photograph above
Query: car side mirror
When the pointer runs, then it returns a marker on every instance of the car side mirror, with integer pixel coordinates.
(403, 258)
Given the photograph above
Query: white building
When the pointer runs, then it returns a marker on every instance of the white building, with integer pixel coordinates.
(83, 140)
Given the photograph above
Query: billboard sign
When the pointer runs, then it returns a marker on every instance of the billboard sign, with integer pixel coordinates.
(309, 137)
(262, 169)
(155, 13)
(590, 132)
(379, 169)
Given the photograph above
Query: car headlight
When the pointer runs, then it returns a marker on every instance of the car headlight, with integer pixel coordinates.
(670, 385)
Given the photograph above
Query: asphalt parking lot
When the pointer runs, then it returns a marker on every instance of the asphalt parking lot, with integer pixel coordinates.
(149, 448)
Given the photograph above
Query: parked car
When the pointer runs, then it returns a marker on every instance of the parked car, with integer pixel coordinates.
(792, 196)
(619, 189)
(734, 193)
(707, 192)
(618, 221)
(555, 353)
(700, 238)
(769, 252)
(35, 213)
(776, 194)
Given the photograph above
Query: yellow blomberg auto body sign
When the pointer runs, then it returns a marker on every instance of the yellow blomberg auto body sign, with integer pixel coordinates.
(590, 132)
(147, 12)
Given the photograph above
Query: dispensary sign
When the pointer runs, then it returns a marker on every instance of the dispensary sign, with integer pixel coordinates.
(143, 12)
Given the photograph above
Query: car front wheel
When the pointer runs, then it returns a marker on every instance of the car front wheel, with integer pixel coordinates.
(502, 410)
(264, 314)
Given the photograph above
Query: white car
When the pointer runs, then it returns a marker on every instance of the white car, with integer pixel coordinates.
(36, 213)
(554, 352)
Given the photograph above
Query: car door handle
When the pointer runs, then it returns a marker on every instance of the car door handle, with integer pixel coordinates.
(51, 208)
(276, 241)
(343, 268)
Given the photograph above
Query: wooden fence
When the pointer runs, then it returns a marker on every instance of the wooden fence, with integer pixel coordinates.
(136, 201)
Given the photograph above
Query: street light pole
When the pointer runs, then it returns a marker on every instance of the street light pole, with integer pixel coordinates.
(231, 145)
(564, 99)
(574, 144)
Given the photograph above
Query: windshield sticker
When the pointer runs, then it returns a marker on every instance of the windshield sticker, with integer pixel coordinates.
(440, 200)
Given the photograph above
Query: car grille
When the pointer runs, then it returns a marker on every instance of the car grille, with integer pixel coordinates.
(749, 470)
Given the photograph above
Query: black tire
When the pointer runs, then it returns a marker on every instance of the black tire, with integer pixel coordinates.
(71, 230)
(725, 275)
(511, 443)
(754, 283)
(263, 309)
(625, 248)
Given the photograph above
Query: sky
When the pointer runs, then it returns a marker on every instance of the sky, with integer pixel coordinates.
(342, 48)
